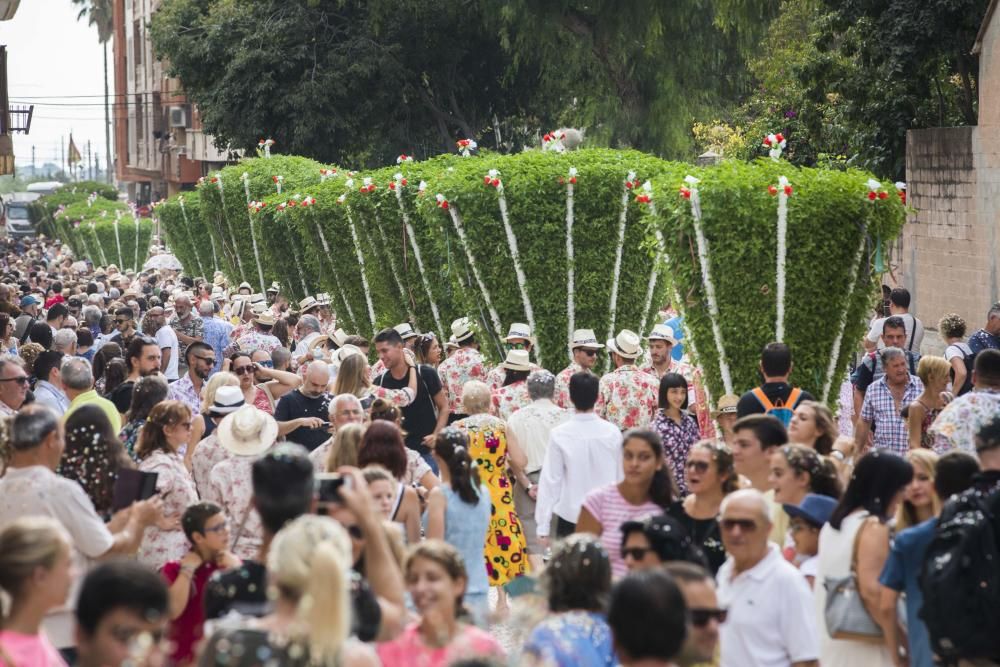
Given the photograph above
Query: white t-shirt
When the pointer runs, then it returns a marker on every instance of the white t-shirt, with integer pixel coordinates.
(961, 350)
(914, 331)
(166, 338)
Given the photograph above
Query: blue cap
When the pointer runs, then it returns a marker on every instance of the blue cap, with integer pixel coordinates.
(814, 508)
(29, 301)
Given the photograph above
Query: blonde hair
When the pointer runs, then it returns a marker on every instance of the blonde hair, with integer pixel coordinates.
(314, 549)
(353, 376)
(476, 397)
(926, 459)
(373, 472)
(346, 444)
(26, 544)
(220, 379)
(931, 369)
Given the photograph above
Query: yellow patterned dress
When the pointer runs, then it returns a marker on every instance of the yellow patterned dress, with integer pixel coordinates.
(505, 550)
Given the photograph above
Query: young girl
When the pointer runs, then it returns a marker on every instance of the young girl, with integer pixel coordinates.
(36, 571)
(396, 502)
(458, 512)
(677, 427)
(935, 373)
(436, 580)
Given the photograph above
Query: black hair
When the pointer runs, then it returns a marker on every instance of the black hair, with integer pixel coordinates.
(583, 389)
(45, 362)
(126, 311)
(107, 352)
(900, 296)
(115, 373)
(668, 539)
(195, 347)
(282, 485)
(194, 518)
(648, 616)
(390, 336)
(767, 428)
(56, 311)
(135, 348)
(510, 377)
(776, 359)
(953, 473)
(452, 446)
(468, 342)
(672, 381)
(988, 436)
(116, 584)
(894, 322)
(876, 480)
(578, 575)
(57, 287)
(661, 487)
(41, 333)
(84, 338)
(987, 368)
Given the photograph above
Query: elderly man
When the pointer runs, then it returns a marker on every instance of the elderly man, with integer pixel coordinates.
(585, 350)
(530, 428)
(771, 616)
(64, 341)
(78, 381)
(883, 401)
(217, 331)
(189, 328)
(13, 386)
(31, 487)
(301, 413)
(307, 329)
(29, 314)
(344, 409)
(157, 327)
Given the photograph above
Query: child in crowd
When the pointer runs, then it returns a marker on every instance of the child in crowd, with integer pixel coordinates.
(807, 518)
(207, 530)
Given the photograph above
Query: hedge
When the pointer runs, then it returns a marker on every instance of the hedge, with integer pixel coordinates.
(187, 235)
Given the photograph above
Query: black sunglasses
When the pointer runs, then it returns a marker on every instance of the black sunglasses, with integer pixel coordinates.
(701, 617)
(21, 379)
(243, 370)
(637, 553)
(698, 466)
(589, 353)
(745, 525)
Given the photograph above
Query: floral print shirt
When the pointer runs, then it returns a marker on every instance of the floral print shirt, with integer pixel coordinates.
(494, 379)
(463, 365)
(231, 488)
(194, 327)
(176, 487)
(255, 340)
(628, 398)
(183, 390)
(508, 400)
(561, 396)
(960, 420)
(677, 441)
(207, 453)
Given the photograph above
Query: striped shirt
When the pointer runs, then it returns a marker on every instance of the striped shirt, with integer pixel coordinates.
(611, 510)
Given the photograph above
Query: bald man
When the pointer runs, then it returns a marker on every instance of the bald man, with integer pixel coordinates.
(302, 414)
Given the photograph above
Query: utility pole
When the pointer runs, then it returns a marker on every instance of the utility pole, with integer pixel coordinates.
(32, 160)
(62, 161)
(90, 162)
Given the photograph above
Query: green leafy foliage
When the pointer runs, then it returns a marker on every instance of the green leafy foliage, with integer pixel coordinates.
(187, 234)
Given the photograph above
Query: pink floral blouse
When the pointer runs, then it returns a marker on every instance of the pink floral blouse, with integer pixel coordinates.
(628, 398)
(207, 453)
(508, 400)
(231, 488)
(463, 365)
(175, 486)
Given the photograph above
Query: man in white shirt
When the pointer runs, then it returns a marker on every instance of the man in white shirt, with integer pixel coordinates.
(530, 427)
(899, 306)
(166, 338)
(584, 453)
(771, 616)
(49, 388)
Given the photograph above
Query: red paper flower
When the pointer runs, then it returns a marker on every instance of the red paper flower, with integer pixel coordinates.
(392, 185)
(780, 137)
(274, 178)
(788, 191)
(628, 185)
(902, 196)
(872, 196)
(685, 192)
(771, 190)
(403, 181)
(883, 195)
(572, 180)
(486, 180)
(444, 205)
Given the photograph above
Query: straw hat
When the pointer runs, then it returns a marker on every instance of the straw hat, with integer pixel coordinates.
(219, 280)
(339, 338)
(274, 287)
(461, 330)
(517, 360)
(307, 304)
(626, 344)
(247, 431)
(662, 332)
(518, 331)
(451, 344)
(585, 338)
(405, 331)
(726, 406)
(244, 285)
(265, 318)
(346, 351)
(227, 399)
(323, 299)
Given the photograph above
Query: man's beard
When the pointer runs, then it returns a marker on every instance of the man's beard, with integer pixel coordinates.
(154, 371)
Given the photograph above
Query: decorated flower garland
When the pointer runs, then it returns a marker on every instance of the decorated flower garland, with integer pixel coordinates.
(253, 236)
(456, 220)
(397, 185)
(361, 263)
(466, 146)
(627, 186)
(783, 192)
(264, 145)
(570, 182)
(333, 268)
(842, 325)
(217, 181)
(297, 200)
(553, 141)
(646, 197)
(775, 143)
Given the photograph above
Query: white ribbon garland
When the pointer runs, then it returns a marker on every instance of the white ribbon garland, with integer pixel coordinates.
(570, 267)
(100, 246)
(457, 222)
(136, 241)
(232, 234)
(253, 237)
(779, 327)
(654, 274)
(842, 325)
(392, 266)
(333, 269)
(706, 275)
(118, 241)
(361, 265)
(515, 255)
(215, 259)
(187, 227)
(622, 219)
(416, 254)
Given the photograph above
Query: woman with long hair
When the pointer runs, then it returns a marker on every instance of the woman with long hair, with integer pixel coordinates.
(710, 477)
(813, 425)
(167, 429)
(677, 428)
(262, 387)
(383, 445)
(115, 373)
(934, 373)
(512, 394)
(418, 473)
(36, 573)
(858, 526)
(93, 456)
(148, 392)
(309, 624)
(647, 489)
(107, 352)
(921, 501)
(354, 378)
(797, 470)
(7, 340)
(458, 512)
(436, 579)
(428, 350)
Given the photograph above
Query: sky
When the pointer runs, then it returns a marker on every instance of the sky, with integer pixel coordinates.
(56, 63)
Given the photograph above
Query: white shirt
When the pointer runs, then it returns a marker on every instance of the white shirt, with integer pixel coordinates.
(52, 397)
(302, 349)
(37, 491)
(584, 453)
(167, 338)
(531, 427)
(772, 616)
(914, 331)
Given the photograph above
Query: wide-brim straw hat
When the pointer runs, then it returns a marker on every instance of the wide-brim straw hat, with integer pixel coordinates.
(517, 360)
(461, 329)
(662, 332)
(405, 331)
(307, 304)
(265, 318)
(726, 405)
(247, 431)
(339, 338)
(275, 287)
(626, 344)
(227, 399)
(518, 331)
(244, 285)
(586, 338)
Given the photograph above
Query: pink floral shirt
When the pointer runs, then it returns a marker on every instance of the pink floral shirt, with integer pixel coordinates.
(463, 365)
(207, 453)
(254, 340)
(561, 396)
(628, 398)
(494, 379)
(231, 488)
(377, 369)
(175, 486)
(508, 400)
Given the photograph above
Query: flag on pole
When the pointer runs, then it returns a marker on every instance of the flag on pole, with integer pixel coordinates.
(74, 153)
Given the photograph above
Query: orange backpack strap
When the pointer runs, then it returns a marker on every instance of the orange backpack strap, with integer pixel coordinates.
(764, 400)
(793, 398)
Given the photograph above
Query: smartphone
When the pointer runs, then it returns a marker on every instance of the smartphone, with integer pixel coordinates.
(328, 487)
(326, 425)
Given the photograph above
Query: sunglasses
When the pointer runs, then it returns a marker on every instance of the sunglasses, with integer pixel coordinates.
(355, 532)
(700, 467)
(516, 346)
(636, 553)
(122, 321)
(589, 353)
(701, 617)
(244, 370)
(266, 364)
(207, 360)
(745, 525)
(20, 379)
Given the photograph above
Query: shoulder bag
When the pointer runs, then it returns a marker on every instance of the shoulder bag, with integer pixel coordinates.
(845, 612)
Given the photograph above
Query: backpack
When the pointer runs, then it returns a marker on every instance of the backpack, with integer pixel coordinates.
(784, 409)
(960, 579)
(969, 359)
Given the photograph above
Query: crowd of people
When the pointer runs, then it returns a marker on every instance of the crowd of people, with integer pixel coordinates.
(195, 473)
